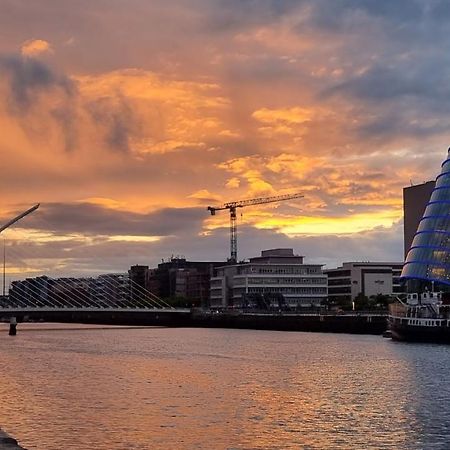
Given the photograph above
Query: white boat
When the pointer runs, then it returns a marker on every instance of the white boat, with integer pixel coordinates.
(424, 317)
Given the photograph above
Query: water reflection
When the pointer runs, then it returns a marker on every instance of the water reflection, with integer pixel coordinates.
(193, 388)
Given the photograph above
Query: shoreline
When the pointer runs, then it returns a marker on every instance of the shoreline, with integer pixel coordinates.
(8, 443)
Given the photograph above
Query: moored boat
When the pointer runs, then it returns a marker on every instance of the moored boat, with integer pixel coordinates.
(425, 317)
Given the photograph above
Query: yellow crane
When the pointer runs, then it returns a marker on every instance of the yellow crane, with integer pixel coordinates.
(232, 206)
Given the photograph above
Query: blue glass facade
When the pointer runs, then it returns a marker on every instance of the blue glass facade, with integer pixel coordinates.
(429, 256)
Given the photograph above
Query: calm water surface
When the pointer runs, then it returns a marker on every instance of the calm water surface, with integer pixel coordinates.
(221, 389)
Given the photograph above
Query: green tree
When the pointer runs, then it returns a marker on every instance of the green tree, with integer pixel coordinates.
(361, 302)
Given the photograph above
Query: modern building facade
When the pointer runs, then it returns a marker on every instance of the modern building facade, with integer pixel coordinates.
(345, 283)
(277, 274)
(415, 199)
(181, 278)
(427, 264)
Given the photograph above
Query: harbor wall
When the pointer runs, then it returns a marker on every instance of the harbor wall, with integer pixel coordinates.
(330, 323)
(327, 323)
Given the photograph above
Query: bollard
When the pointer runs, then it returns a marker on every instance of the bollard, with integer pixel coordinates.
(12, 326)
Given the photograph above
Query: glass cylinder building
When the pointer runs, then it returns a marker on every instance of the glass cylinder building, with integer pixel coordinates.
(428, 260)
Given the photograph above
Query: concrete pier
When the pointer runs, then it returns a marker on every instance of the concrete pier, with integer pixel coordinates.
(8, 443)
(12, 326)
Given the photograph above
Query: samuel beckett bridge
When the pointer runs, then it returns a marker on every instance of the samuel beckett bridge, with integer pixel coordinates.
(106, 299)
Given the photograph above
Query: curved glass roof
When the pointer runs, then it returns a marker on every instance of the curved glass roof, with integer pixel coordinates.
(429, 256)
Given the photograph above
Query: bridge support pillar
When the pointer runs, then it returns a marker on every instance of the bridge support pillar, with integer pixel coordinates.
(12, 326)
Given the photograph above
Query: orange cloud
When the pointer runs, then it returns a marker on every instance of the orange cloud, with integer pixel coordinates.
(35, 47)
(288, 116)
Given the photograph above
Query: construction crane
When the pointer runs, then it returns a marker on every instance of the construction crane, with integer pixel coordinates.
(232, 206)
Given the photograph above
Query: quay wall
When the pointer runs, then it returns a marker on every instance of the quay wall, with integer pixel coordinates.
(330, 323)
(327, 323)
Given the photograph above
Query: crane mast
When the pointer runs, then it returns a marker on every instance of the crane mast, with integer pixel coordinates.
(232, 206)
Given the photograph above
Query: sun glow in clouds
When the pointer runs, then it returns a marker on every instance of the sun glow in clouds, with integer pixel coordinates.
(34, 47)
(216, 102)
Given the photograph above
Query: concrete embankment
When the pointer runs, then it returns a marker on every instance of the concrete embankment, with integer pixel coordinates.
(356, 323)
(8, 443)
(326, 323)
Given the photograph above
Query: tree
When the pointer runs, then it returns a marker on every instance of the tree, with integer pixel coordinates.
(361, 302)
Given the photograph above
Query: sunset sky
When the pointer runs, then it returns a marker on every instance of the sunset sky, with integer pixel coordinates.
(127, 118)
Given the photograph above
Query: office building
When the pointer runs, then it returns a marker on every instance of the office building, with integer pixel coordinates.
(276, 278)
(345, 283)
(178, 277)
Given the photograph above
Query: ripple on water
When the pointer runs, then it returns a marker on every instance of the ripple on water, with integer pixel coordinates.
(244, 389)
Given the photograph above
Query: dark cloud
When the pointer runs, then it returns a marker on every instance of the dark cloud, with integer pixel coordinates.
(77, 257)
(409, 99)
(30, 82)
(393, 124)
(115, 116)
(387, 84)
(92, 219)
(28, 76)
(340, 15)
(233, 15)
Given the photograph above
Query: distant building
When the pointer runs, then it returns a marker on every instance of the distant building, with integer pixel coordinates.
(138, 275)
(44, 291)
(277, 275)
(107, 290)
(181, 278)
(366, 278)
(31, 291)
(112, 288)
(415, 199)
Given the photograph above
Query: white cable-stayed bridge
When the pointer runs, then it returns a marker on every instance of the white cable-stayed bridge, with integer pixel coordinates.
(113, 298)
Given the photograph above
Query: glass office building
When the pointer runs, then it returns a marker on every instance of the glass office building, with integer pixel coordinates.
(428, 259)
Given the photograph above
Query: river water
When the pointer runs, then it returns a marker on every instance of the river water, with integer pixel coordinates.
(159, 388)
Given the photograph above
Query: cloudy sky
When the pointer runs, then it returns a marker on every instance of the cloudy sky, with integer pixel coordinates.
(126, 118)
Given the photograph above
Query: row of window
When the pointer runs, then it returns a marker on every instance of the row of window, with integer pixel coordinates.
(282, 290)
(339, 290)
(432, 239)
(429, 254)
(339, 282)
(286, 270)
(437, 208)
(259, 280)
(431, 223)
(347, 281)
(426, 270)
